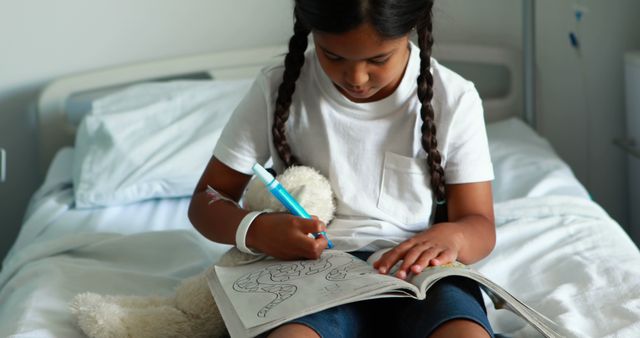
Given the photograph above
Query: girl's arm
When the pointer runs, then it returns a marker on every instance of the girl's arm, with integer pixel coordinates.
(208, 218)
(280, 235)
(468, 237)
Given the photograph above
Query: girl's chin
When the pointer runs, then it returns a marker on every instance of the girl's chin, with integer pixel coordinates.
(359, 95)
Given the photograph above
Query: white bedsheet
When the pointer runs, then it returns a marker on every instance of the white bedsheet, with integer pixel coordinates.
(143, 248)
(38, 282)
(561, 254)
(568, 259)
(51, 214)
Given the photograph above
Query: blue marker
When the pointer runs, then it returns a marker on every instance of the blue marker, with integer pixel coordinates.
(283, 196)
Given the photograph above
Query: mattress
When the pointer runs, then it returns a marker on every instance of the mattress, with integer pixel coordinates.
(556, 250)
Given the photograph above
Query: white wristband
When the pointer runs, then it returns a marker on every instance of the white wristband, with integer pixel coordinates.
(243, 228)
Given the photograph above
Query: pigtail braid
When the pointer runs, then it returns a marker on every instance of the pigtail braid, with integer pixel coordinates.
(293, 62)
(425, 94)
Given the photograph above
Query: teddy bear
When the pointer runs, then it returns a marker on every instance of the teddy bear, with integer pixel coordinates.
(192, 311)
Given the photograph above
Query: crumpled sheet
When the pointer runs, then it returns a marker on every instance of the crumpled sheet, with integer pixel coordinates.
(563, 256)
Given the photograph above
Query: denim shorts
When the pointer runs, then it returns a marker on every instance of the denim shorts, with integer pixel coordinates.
(450, 298)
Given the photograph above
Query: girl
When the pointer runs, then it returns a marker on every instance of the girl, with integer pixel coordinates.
(363, 107)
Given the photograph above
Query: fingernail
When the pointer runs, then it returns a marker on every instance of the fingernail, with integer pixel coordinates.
(416, 268)
(382, 271)
(401, 274)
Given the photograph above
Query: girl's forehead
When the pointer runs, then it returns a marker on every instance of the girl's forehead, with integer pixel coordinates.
(361, 43)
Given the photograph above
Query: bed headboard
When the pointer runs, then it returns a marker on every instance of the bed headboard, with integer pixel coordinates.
(61, 105)
(496, 72)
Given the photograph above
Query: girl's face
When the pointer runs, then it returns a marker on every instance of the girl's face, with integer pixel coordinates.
(362, 65)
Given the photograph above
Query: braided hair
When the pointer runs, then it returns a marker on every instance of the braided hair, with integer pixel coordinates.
(293, 62)
(391, 19)
(425, 94)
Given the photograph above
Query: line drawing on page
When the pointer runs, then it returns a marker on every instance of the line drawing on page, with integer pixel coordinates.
(277, 279)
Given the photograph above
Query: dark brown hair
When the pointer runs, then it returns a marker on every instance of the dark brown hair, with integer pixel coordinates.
(391, 19)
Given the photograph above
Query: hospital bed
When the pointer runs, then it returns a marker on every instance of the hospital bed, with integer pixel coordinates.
(111, 215)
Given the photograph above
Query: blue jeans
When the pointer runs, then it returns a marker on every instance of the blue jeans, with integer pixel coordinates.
(450, 298)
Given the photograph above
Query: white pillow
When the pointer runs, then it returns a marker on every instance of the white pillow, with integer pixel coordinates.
(151, 140)
(525, 164)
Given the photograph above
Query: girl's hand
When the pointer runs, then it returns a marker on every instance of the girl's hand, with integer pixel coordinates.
(284, 236)
(435, 246)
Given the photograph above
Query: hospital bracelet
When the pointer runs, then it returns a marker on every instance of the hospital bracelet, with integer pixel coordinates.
(243, 228)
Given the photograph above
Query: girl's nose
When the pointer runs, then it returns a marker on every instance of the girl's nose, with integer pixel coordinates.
(356, 74)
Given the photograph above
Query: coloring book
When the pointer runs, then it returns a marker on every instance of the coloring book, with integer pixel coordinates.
(262, 295)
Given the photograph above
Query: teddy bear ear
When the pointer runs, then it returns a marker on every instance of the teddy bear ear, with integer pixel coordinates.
(299, 192)
(257, 197)
(305, 184)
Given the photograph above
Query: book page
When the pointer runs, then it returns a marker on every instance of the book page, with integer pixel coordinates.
(432, 274)
(499, 296)
(273, 290)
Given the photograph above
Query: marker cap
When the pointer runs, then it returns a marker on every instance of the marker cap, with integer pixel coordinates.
(263, 174)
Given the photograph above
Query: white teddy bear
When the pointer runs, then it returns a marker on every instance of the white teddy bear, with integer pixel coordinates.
(192, 311)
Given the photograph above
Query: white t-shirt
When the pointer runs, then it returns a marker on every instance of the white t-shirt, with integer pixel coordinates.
(370, 152)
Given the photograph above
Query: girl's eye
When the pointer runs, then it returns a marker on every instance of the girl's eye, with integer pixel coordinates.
(333, 57)
(379, 61)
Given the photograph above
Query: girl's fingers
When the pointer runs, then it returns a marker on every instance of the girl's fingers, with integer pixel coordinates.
(445, 257)
(319, 244)
(304, 247)
(412, 256)
(424, 260)
(311, 226)
(415, 258)
(390, 258)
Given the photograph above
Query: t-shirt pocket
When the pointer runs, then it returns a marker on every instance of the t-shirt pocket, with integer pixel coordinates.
(405, 192)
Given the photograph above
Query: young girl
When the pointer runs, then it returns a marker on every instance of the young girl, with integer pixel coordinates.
(363, 107)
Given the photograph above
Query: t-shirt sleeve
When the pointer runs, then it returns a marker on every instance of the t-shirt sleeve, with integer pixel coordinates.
(245, 138)
(468, 157)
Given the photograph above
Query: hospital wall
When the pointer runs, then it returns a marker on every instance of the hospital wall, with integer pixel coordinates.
(581, 93)
(42, 40)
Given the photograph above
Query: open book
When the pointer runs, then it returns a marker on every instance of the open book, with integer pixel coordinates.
(262, 295)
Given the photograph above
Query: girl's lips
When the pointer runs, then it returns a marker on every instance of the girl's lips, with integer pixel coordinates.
(357, 92)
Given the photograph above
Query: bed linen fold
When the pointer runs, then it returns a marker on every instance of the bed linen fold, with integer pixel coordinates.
(562, 255)
(40, 281)
(568, 259)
